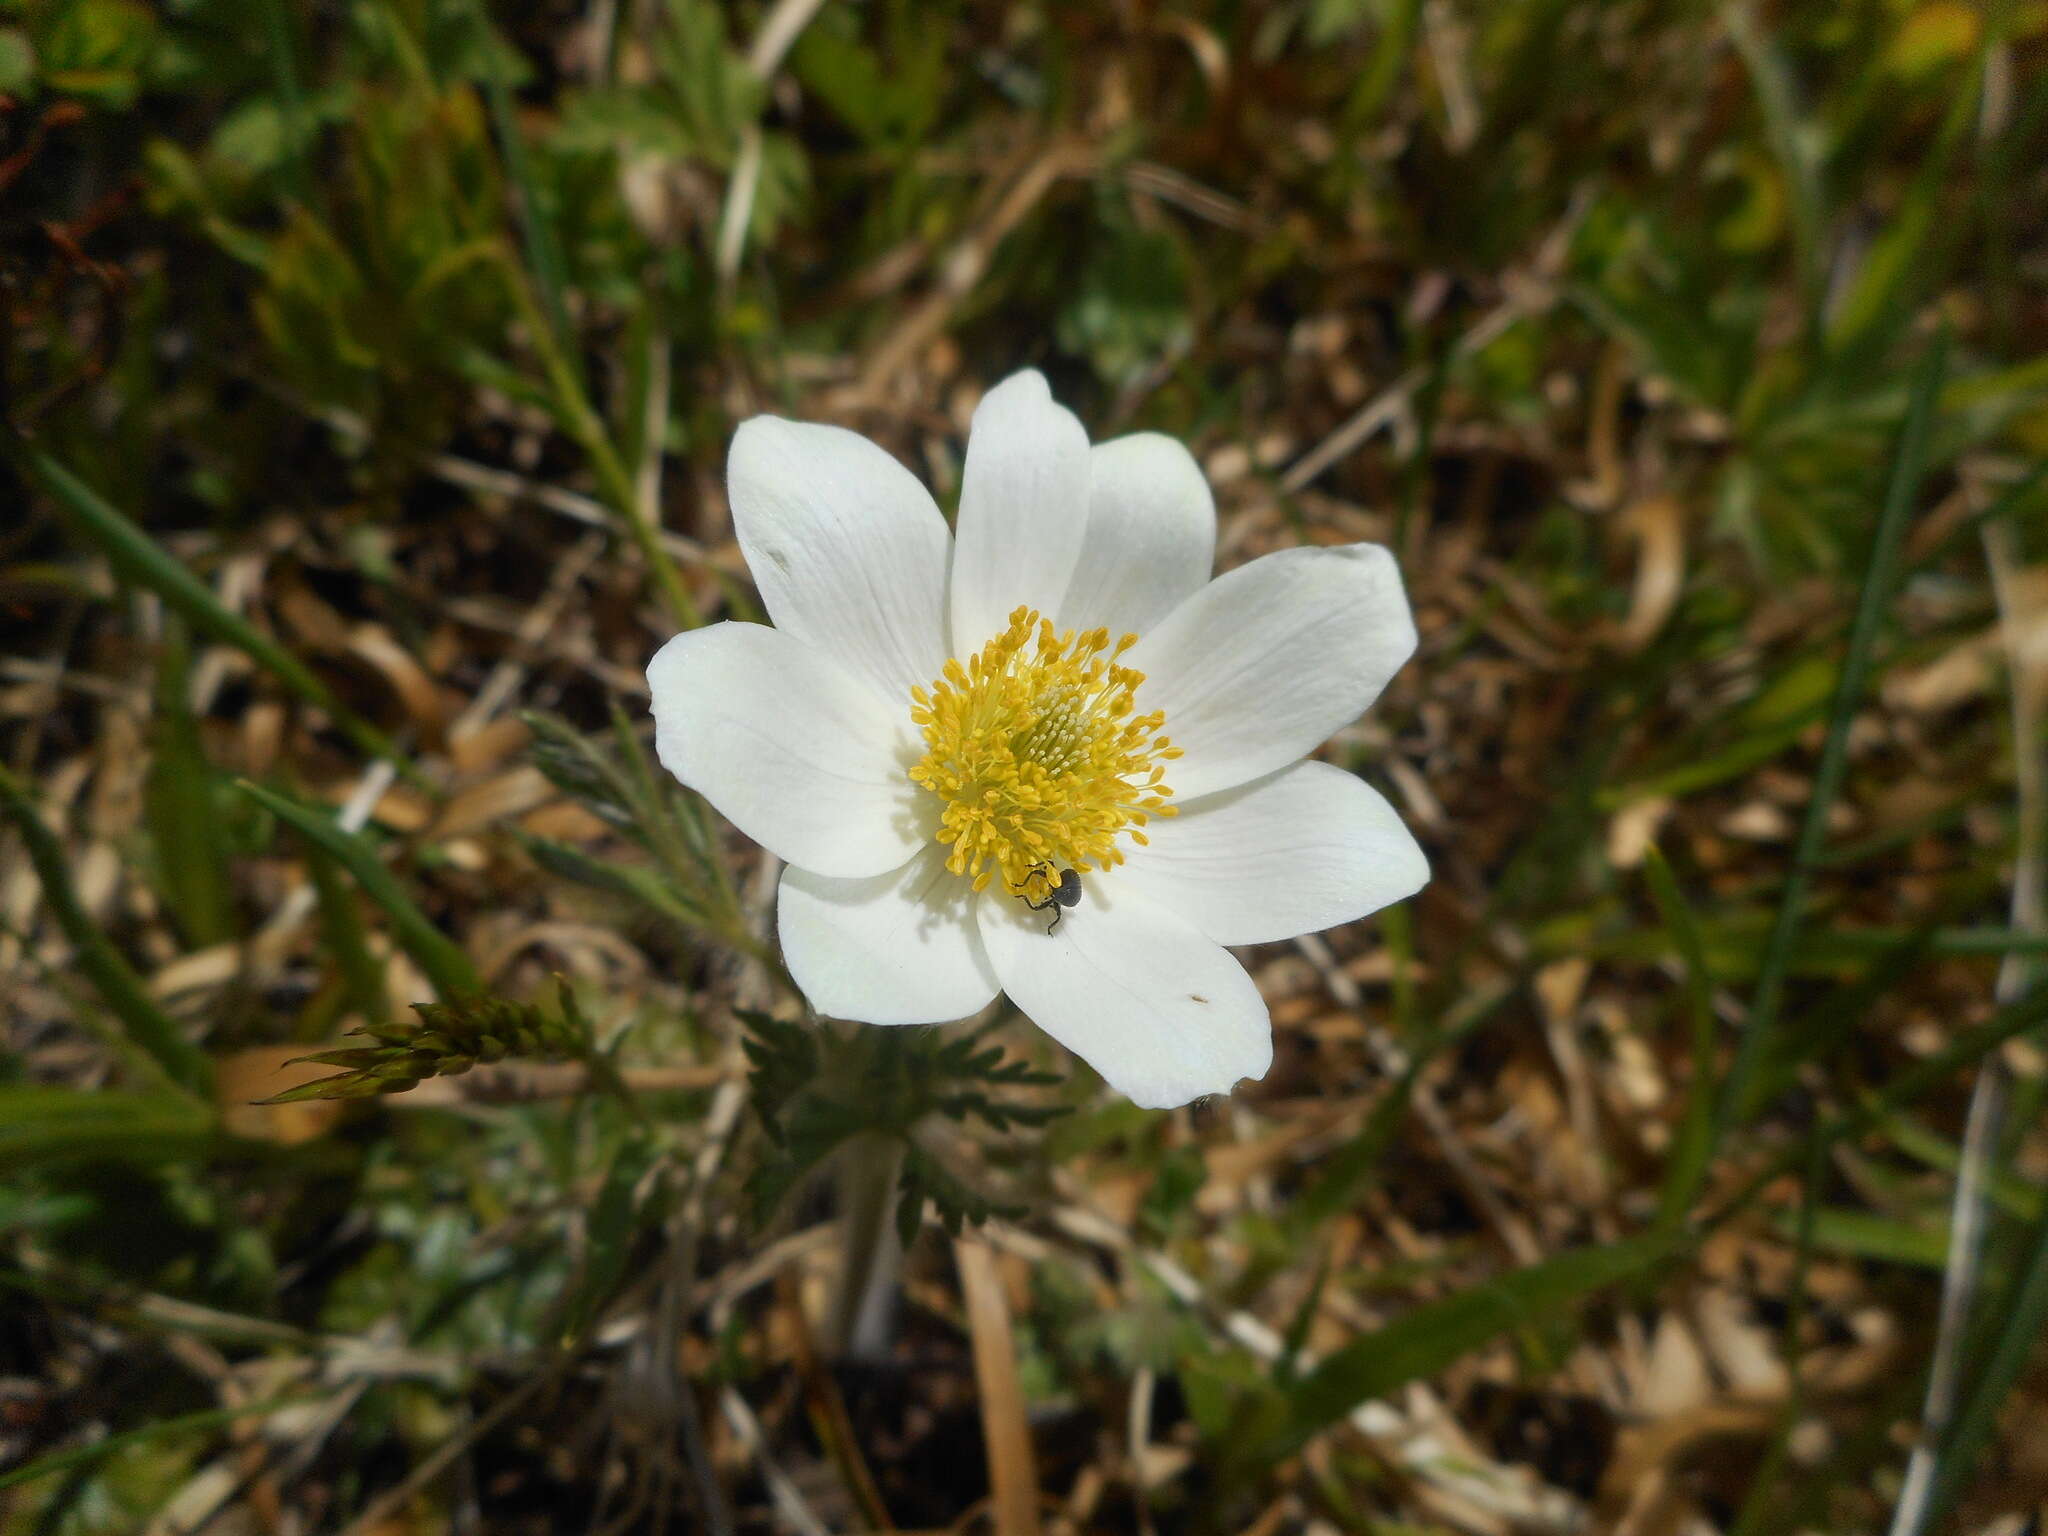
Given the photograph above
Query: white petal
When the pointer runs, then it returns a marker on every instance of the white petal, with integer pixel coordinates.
(1296, 852)
(1162, 1012)
(848, 549)
(794, 750)
(1023, 508)
(1264, 663)
(895, 948)
(1150, 540)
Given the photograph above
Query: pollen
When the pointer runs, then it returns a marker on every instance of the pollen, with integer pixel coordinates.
(1037, 750)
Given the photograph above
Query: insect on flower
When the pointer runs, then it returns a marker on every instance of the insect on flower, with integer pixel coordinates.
(1058, 897)
(948, 732)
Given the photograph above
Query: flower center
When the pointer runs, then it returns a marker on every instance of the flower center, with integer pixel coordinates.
(1035, 750)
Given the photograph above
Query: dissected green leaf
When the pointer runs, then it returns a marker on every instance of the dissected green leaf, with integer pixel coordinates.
(815, 1087)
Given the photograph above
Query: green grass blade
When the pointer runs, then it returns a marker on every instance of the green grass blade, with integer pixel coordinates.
(362, 978)
(191, 858)
(100, 1450)
(536, 209)
(2025, 1314)
(137, 557)
(1914, 254)
(630, 881)
(1429, 1338)
(147, 1025)
(2010, 1022)
(1789, 140)
(1865, 1236)
(1694, 1147)
(1834, 757)
(1352, 1168)
(284, 71)
(42, 1125)
(446, 966)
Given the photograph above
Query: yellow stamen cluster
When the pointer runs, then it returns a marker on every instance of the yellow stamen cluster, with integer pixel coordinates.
(1038, 756)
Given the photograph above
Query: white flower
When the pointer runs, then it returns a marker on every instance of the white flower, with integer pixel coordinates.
(939, 726)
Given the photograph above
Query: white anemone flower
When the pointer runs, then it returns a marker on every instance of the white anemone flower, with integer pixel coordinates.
(940, 725)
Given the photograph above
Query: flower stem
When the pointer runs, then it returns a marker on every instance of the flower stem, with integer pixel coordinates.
(863, 1312)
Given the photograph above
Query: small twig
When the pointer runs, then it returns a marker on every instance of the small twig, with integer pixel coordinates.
(1138, 1433)
(1184, 192)
(739, 208)
(1385, 407)
(533, 629)
(654, 424)
(1446, 39)
(453, 469)
(777, 36)
(827, 1405)
(789, 1502)
(964, 265)
(571, 504)
(1528, 295)
(1013, 1470)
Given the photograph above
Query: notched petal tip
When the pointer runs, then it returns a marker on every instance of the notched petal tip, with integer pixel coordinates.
(1173, 1089)
(1165, 1015)
(667, 691)
(1382, 571)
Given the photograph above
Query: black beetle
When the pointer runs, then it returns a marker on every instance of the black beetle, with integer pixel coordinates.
(1060, 897)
